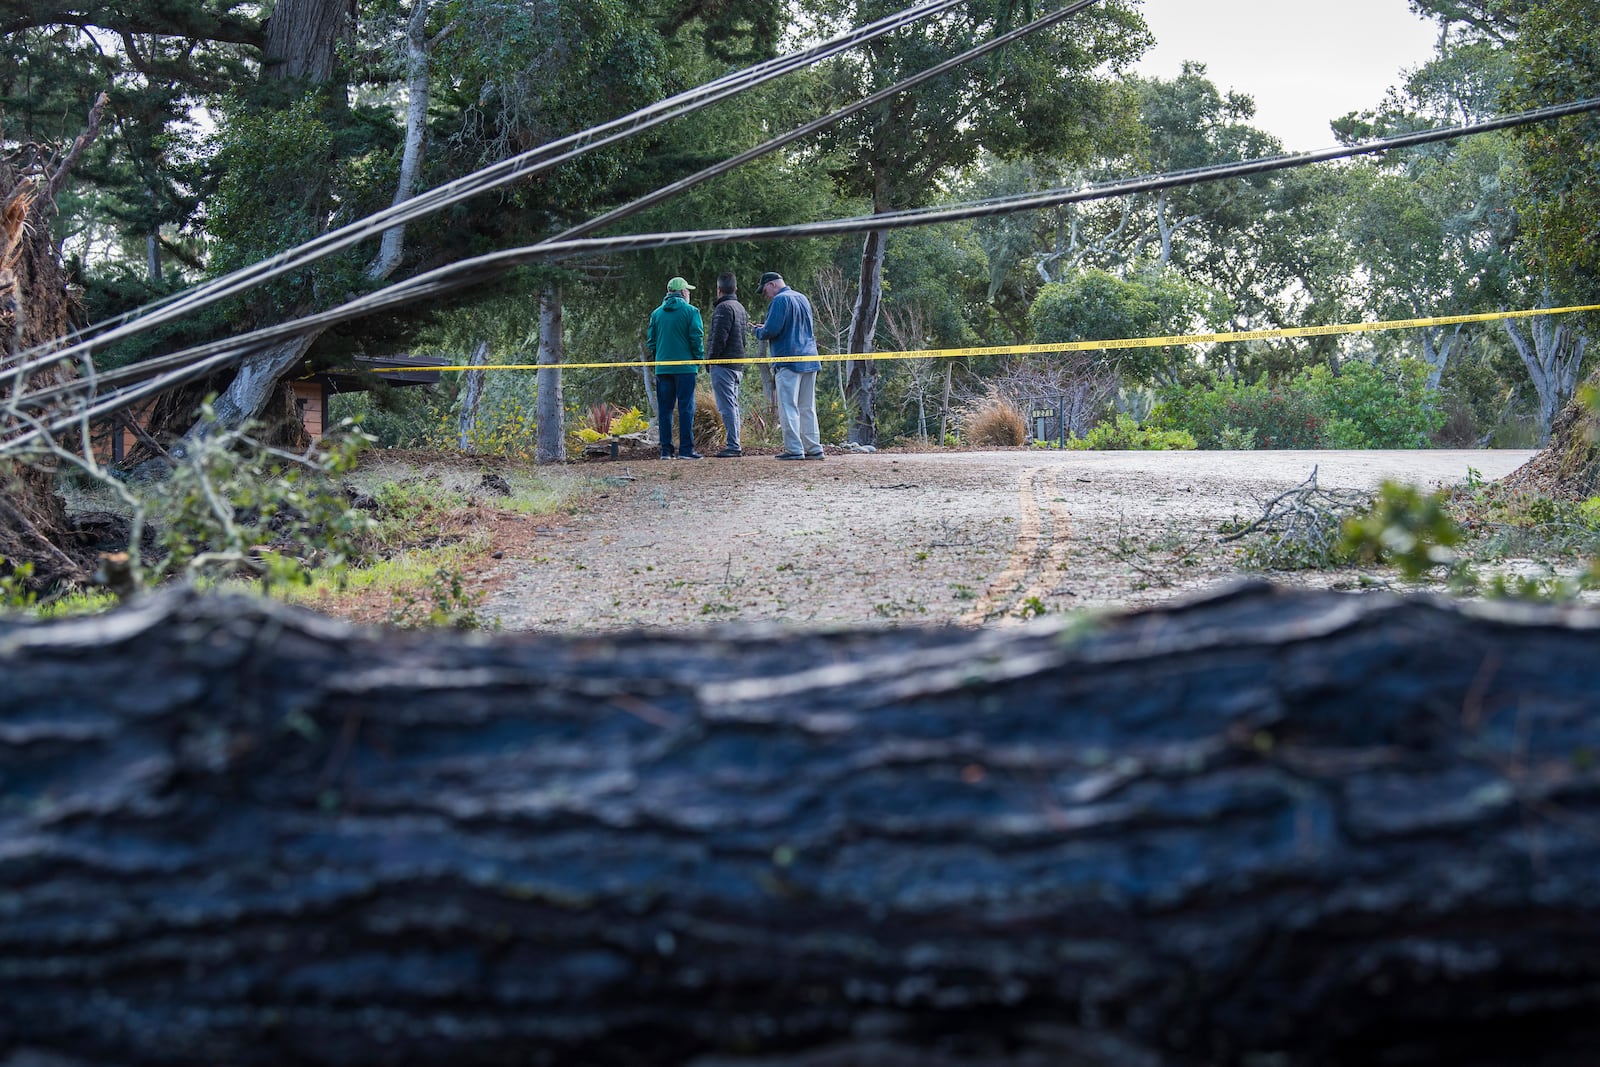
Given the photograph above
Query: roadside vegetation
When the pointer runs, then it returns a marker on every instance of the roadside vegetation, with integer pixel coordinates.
(344, 528)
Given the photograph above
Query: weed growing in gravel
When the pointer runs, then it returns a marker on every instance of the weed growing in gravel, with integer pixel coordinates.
(1031, 608)
(444, 601)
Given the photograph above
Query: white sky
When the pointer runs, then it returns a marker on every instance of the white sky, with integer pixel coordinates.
(1305, 62)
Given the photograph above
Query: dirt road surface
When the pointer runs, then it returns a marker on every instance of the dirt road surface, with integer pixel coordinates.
(888, 539)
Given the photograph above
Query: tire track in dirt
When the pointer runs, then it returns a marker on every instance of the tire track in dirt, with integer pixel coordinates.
(1040, 549)
(1057, 546)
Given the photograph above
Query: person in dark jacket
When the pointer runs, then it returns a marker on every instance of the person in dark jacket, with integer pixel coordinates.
(789, 327)
(677, 337)
(728, 324)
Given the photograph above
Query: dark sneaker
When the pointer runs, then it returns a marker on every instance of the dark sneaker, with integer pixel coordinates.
(690, 455)
(666, 455)
(730, 453)
(815, 455)
(790, 455)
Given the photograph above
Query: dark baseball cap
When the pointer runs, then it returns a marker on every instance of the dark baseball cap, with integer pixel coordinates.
(770, 276)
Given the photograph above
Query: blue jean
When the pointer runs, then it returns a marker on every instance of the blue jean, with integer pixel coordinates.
(797, 411)
(725, 387)
(676, 390)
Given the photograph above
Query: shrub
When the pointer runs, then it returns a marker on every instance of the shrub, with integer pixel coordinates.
(1279, 418)
(1123, 433)
(1363, 406)
(708, 428)
(603, 422)
(1369, 406)
(996, 424)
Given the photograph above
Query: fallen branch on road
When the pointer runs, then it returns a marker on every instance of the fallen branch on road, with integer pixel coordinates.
(1299, 529)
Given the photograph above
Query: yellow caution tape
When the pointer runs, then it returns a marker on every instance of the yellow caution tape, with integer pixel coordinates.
(1023, 350)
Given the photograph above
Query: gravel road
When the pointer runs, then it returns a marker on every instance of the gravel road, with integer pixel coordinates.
(908, 538)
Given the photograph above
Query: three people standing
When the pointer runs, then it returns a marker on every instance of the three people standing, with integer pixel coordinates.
(677, 337)
(789, 327)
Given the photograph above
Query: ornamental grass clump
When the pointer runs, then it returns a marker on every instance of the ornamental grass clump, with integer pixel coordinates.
(996, 424)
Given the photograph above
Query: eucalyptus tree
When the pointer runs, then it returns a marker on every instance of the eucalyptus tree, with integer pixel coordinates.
(1432, 232)
(1051, 94)
(1467, 226)
(1556, 58)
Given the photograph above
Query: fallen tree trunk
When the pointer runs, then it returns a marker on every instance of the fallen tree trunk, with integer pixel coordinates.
(1267, 828)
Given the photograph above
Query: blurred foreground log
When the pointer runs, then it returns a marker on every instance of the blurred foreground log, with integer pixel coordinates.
(1268, 828)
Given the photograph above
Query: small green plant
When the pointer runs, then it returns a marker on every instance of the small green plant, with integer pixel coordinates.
(1234, 439)
(15, 595)
(1405, 527)
(443, 602)
(631, 421)
(1031, 608)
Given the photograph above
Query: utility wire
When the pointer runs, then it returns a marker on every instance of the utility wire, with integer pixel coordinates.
(668, 191)
(196, 362)
(149, 367)
(494, 176)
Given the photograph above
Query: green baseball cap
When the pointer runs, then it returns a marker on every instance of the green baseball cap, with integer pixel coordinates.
(677, 284)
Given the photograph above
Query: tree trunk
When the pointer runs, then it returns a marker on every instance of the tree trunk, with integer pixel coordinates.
(303, 39)
(472, 398)
(1436, 352)
(302, 44)
(863, 373)
(769, 383)
(392, 246)
(1553, 356)
(1273, 827)
(944, 402)
(551, 444)
(256, 381)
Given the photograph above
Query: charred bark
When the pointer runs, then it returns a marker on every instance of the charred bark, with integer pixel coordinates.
(1271, 827)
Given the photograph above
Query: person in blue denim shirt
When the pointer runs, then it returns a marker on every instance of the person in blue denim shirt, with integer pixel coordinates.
(789, 328)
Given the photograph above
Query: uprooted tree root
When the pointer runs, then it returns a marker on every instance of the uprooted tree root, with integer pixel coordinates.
(1300, 529)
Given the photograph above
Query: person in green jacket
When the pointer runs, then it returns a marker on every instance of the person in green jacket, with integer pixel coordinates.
(676, 333)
